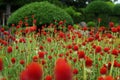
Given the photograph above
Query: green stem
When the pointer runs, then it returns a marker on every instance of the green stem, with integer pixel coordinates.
(112, 65)
(84, 72)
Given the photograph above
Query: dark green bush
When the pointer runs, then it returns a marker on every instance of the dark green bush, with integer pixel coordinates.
(91, 24)
(44, 12)
(98, 7)
(74, 14)
(116, 10)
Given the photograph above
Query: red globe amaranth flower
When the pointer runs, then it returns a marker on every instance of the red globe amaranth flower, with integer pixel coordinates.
(41, 54)
(84, 28)
(106, 49)
(114, 29)
(32, 72)
(48, 77)
(88, 62)
(23, 75)
(13, 60)
(111, 24)
(35, 58)
(22, 62)
(115, 52)
(49, 40)
(1, 64)
(98, 49)
(109, 78)
(75, 71)
(103, 70)
(75, 47)
(9, 49)
(100, 78)
(81, 54)
(63, 70)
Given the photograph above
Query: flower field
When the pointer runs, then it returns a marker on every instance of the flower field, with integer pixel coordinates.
(59, 55)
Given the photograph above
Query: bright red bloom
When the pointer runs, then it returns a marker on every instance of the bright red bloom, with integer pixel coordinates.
(98, 49)
(114, 29)
(22, 62)
(23, 75)
(85, 28)
(48, 77)
(100, 78)
(106, 49)
(103, 70)
(41, 54)
(109, 78)
(88, 62)
(34, 71)
(13, 60)
(75, 71)
(35, 58)
(1, 64)
(75, 47)
(81, 54)
(63, 70)
(115, 52)
(49, 39)
(9, 49)
(111, 24)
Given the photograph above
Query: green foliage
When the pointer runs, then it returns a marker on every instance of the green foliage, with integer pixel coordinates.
(44, 12)
(91, 24)
(98, 7)
(116, 10)
(74, 14)
(104, 20)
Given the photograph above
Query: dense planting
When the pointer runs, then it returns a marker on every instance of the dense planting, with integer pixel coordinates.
(60, 55)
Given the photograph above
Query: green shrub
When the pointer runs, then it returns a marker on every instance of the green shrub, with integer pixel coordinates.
(98, 7)
(74, 14)
(116, 10)
(91, 24)
(44, 13)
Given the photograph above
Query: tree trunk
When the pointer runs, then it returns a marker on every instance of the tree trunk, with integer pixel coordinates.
(8, 10)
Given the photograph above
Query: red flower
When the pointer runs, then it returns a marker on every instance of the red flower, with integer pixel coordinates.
(98, 49)
(9, 49)
(49, 39)
(90, 39)
(1, 64)
(85, 28)
(23, 75)
(103, 70)
(88, 62)
(48, 77)
(34, 71)
(63, 70)
(115, 52)
(22, 62)
(106, 49)
(109, 78)
(41, 54)
(35, 58)
(100, 78)
(81, 54)
(13, 60)
(114, 29)
(111, 24)
(75, 71)
(75, 47)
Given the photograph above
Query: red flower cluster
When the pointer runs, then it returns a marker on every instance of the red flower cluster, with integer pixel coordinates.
(63, 70)
(32, 72)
